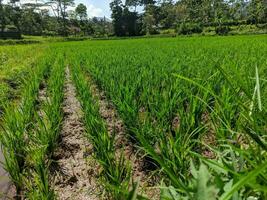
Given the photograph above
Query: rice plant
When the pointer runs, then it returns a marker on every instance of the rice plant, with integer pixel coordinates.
(115, 170)
(194, 107)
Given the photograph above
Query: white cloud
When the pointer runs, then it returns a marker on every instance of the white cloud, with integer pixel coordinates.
(94, 11)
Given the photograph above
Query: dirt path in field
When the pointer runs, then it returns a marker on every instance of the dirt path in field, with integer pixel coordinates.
(76, 171)
(7, 190)
(115, 125)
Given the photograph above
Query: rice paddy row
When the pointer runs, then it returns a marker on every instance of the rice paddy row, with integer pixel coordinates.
(193, 108)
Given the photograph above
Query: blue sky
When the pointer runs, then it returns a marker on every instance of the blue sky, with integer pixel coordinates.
(96, 8)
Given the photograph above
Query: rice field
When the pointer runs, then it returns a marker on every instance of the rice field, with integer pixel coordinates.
(163, 118)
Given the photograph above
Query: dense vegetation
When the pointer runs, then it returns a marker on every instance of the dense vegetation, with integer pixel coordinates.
(53, 17)
(194, 107)
(191, 104)
(15, 65)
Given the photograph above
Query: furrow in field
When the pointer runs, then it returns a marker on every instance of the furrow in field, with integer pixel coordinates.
(75, 173)
(116, 126)
(7, 190)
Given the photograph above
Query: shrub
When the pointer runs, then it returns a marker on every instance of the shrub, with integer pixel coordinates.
(189, 28)
(10, 35)
(222, 30)
(167, 31)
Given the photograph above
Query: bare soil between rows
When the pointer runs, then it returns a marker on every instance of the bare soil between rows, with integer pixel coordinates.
(124, 145)
(7, 190)
(74, 170)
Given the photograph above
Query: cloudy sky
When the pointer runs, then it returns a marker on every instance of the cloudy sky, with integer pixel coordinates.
(96, 8)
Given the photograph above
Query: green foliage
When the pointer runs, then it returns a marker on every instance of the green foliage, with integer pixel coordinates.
(116, 170)
(81, 11)
(222, 30)
(29, 138)
(16, 123)
(195, 106)
(192, 100)
(201, 183)
(189, 28)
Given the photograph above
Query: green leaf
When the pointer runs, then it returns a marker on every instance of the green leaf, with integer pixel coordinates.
(193, 169)
(169, 193)
(204, 191)
(258, 89)
(227, 195)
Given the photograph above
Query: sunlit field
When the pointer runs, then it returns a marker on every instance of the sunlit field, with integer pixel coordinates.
(162, 118)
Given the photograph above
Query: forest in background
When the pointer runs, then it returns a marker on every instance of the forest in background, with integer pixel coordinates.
(64, 18)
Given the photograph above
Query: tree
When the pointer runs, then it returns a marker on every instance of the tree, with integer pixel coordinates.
(130, 24)
(81, 11)
(258, 11)
(133, 3)
(31, 22)
(2, 16)
(13, 15)
(147, 2)
(151, 19)
(167, 14)
(117, 14)
(61, 10)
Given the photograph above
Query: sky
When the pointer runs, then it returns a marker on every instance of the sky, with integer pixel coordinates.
(96, 8)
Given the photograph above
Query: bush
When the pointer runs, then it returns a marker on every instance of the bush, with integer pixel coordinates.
(167, 31)
(222, 30)
(189, 28)
(16, 42)
(262, 26)
(49, 33)
(10, 35)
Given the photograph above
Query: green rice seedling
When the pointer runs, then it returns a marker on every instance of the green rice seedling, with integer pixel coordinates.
(115, 172)
(16, 122)
(211, 108)
(53, 106)
(16, 62)
(37, 183)
(45, 136)
(238, 159)
(195, 106)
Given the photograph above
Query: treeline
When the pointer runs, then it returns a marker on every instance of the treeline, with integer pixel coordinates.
(51, 18)
(54, 17)
(185, 16)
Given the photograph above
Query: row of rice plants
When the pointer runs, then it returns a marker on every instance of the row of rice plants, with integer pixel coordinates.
(28, 137)
(44, 138)
(16, 121)
(15, 64)
(181, 105)
(115, 170)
